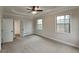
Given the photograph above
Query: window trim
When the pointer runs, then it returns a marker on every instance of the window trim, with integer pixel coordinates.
(69, 25)
(39, 24)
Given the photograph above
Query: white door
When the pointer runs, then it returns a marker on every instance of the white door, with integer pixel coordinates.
(7, 30)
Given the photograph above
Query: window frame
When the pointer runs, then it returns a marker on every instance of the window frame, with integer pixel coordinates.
(64, 23)
(39, 24)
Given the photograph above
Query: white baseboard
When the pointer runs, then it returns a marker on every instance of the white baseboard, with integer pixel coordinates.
(7, 41)
(28, 35)
(61, 41)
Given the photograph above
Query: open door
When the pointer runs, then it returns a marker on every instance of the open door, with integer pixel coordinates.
(7, 30)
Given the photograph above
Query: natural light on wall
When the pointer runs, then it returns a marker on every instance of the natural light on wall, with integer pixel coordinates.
(63, 23)
(39, 24)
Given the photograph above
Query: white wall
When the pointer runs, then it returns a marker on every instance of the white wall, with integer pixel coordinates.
(49, 28)
(23, 25)
(0, 25)
(17, 25)
(27, 26)
(0, 33)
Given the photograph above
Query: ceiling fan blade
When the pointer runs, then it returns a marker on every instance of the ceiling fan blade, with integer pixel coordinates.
(39, 10)
(29, 9)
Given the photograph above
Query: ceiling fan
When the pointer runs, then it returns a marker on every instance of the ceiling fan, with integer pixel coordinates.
(35, 9)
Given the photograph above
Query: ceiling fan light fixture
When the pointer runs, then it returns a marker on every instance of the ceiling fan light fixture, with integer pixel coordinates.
(34, 12)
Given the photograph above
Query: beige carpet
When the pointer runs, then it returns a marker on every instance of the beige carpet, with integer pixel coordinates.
(36, 44)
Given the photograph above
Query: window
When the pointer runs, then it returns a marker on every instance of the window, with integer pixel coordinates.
(39, 24)
(63, 23)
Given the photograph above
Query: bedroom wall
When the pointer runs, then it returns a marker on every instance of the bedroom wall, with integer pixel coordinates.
(49, 28)
(27, 26)
(23, 25)
(0, 25)
(0, 33)
(17, 25)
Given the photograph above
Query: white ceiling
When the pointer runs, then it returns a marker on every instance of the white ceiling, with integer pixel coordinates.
(22, 10)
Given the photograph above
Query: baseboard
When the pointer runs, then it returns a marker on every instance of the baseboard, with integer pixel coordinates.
(64, 42)
(28, 35)
(7, 42)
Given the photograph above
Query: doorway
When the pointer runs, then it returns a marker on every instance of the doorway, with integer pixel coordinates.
(18, 28)
(7, 29)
